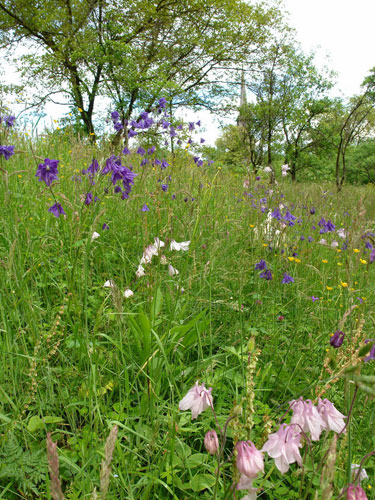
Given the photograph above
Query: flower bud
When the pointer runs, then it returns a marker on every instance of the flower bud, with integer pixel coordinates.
(355, 493)
(337, 339)
(211, 442)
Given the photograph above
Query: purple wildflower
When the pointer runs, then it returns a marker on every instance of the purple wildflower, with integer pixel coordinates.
(145, 208)
(276, 214)
(118, 126)
(202, 140)
(266, 275)
(287, 279)
(141, 151)
(88, 198)
(115, 115)
(126, 151)
(162, 103)
(371, 355)
(151, 150)
(105, 226)
(164, 164)
(337, 339)
(56, 210)
(9, 120)
(372, 256)
(261, 265)
(314, 298)
(6, 151)
(47, 171)
(132, 133)
(164, 187)
(312, 210)
(191, 126)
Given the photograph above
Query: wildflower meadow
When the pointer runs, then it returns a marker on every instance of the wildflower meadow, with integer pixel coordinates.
(175, 329)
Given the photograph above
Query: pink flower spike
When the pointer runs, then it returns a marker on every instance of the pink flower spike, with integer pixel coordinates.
(332, 418)
(249, 459)
(197, 400)
(307, 416)
(283, 446)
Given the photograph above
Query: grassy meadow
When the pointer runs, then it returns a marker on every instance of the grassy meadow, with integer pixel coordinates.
(78, 357)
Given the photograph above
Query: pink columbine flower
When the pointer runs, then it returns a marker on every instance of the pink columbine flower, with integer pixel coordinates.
(197, 400)
(245, 483)
(211, 442)
(332, 418)
(284, 446)
(307, 416)
(355, 493)
(249, 460)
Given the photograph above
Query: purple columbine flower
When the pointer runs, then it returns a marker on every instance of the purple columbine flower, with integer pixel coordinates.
(93, 167)
(288, 217)
(337, 339)
(172, 132)
(191, 126)
(310, 238)
(164, 164)
(261, 265)
(151, 150)
(115, 115)
(257, 178)
(118, 126)
(47, 171)
(132, 133)
(276, 214)
(88, 198)
(56, 210)
(162, 103)
(322, 222)
(202, 140)
(372, 256)
(287, 279)
(266, 275)
(145, 208)
(141, 151)
(105, 227)
(9, 120)
(314, 298)
(371, 355)
(164, 187)
(6, 151)
(126, 151)
(312, 210)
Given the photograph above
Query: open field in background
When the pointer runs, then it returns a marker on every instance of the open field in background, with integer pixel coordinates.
(78, 357)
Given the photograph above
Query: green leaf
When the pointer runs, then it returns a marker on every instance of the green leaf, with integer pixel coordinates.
(35, 423)
(50, 419)
(202, 482)
(196, 460)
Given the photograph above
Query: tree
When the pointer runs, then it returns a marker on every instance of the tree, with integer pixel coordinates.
(133, 51)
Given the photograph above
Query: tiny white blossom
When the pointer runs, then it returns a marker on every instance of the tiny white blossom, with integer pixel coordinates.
(95, 236)
(140, 271)
(172, 270)
(109, 284)
(128, 293)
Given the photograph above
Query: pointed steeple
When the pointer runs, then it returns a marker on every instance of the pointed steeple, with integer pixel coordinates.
(243, 98)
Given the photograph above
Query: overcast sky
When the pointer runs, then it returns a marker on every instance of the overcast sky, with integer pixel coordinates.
(343, 29)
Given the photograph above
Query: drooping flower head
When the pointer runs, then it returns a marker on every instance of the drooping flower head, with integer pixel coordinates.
(56, 210)
(287, 279)
(197, 400)
(47, 171)
(9, 120)
(337, 339)
(306, 415)
(332, 418)
(355, 493)
(261, 265)
(283, 446)
(267, 275)
(249, 460)
(6, 151)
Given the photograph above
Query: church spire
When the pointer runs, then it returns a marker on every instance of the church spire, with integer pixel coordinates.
(243, 99)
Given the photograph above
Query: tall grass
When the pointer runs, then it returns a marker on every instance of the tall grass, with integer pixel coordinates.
(78, 358)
